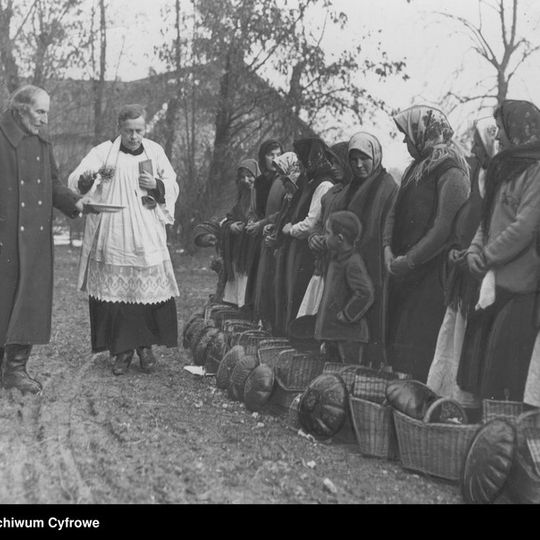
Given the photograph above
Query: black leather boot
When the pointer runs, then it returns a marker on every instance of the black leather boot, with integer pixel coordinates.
(14, 373)
(122, 362)
(147, 359)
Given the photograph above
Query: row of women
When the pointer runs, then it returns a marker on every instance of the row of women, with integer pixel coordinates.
(453, 252)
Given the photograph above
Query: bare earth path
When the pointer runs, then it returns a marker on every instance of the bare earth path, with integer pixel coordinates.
(91, 437)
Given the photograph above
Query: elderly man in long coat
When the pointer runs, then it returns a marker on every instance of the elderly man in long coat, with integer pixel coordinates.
(29, 188)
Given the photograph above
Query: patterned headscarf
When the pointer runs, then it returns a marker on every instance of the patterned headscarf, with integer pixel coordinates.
(486, 130)
(431, 134)
(367, 144)
(288, 165)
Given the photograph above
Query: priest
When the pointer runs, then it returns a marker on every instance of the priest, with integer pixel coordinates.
(125, 265)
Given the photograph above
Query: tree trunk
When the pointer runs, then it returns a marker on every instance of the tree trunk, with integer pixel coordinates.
(174, 103)
(10, 70)
(222, 140)
(99, 84)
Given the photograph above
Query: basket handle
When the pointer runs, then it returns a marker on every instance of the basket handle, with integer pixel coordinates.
(440, 401)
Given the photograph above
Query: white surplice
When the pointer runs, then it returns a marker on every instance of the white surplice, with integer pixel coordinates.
(124, 255)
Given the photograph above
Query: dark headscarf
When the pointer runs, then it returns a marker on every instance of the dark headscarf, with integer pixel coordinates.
(316, 157)
(341, 150)
(263, 182)
(521, 123)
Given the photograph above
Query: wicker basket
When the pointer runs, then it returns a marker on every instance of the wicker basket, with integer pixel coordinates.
(492, 408)
(294, 371)
(374, 427)
(199, 354)
(190, 330)
(275, 342)
(199, 333)
(187, 331)
(438, 449)
(226, 314)
(250, 340)
(346, 371)
(211, 309)
(270, 355)
(370, 384)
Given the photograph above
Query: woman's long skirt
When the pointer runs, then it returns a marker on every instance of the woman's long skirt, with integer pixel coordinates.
(415, 313)
(498, 345)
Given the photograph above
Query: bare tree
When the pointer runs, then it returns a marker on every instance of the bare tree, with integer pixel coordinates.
(505, 55)
(48, 47)
(99, 68)
(8, 42)
(246, 40)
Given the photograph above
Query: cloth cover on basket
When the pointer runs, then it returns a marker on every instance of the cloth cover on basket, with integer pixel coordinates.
(488, 462)
(239, 376)
(323, 406)
(410, 397)
(258, 387)
(226, 366)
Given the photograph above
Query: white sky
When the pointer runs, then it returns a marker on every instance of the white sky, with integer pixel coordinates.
(408, 30)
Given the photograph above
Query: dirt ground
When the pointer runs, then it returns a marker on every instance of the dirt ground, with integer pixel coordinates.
(170, 437)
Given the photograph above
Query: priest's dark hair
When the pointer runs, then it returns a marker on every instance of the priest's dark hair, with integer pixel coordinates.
(130, 112)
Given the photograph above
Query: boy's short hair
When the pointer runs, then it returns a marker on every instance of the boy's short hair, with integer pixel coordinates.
(347, 224)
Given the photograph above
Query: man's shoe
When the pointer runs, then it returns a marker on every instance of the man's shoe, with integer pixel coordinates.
(14, 373)
(147, 359)
(122, 362)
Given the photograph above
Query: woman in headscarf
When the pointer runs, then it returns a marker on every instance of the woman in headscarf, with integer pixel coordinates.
(418, 234)
(370, 195)
(268, 194)
(234, 237)
(504, 253)
(309, 306)
(288, 169)
(294, 260)
(461, 289)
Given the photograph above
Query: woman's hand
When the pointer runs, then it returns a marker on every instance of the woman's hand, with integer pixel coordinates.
(287, 228)
(253, 228)
(147, 181)
(237, 227)
(268, 229)
(270, 241)
(399, 266)
(458, 258)
(388, 258)
(208, 240)
(476, 264)
(317, 243)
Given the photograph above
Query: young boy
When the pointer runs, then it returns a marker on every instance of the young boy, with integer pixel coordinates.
(348, 292)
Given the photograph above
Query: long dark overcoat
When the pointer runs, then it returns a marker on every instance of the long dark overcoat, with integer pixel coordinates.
(372, 202)
(29, 188)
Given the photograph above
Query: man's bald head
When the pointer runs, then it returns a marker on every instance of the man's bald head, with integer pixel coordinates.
(31, 105)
